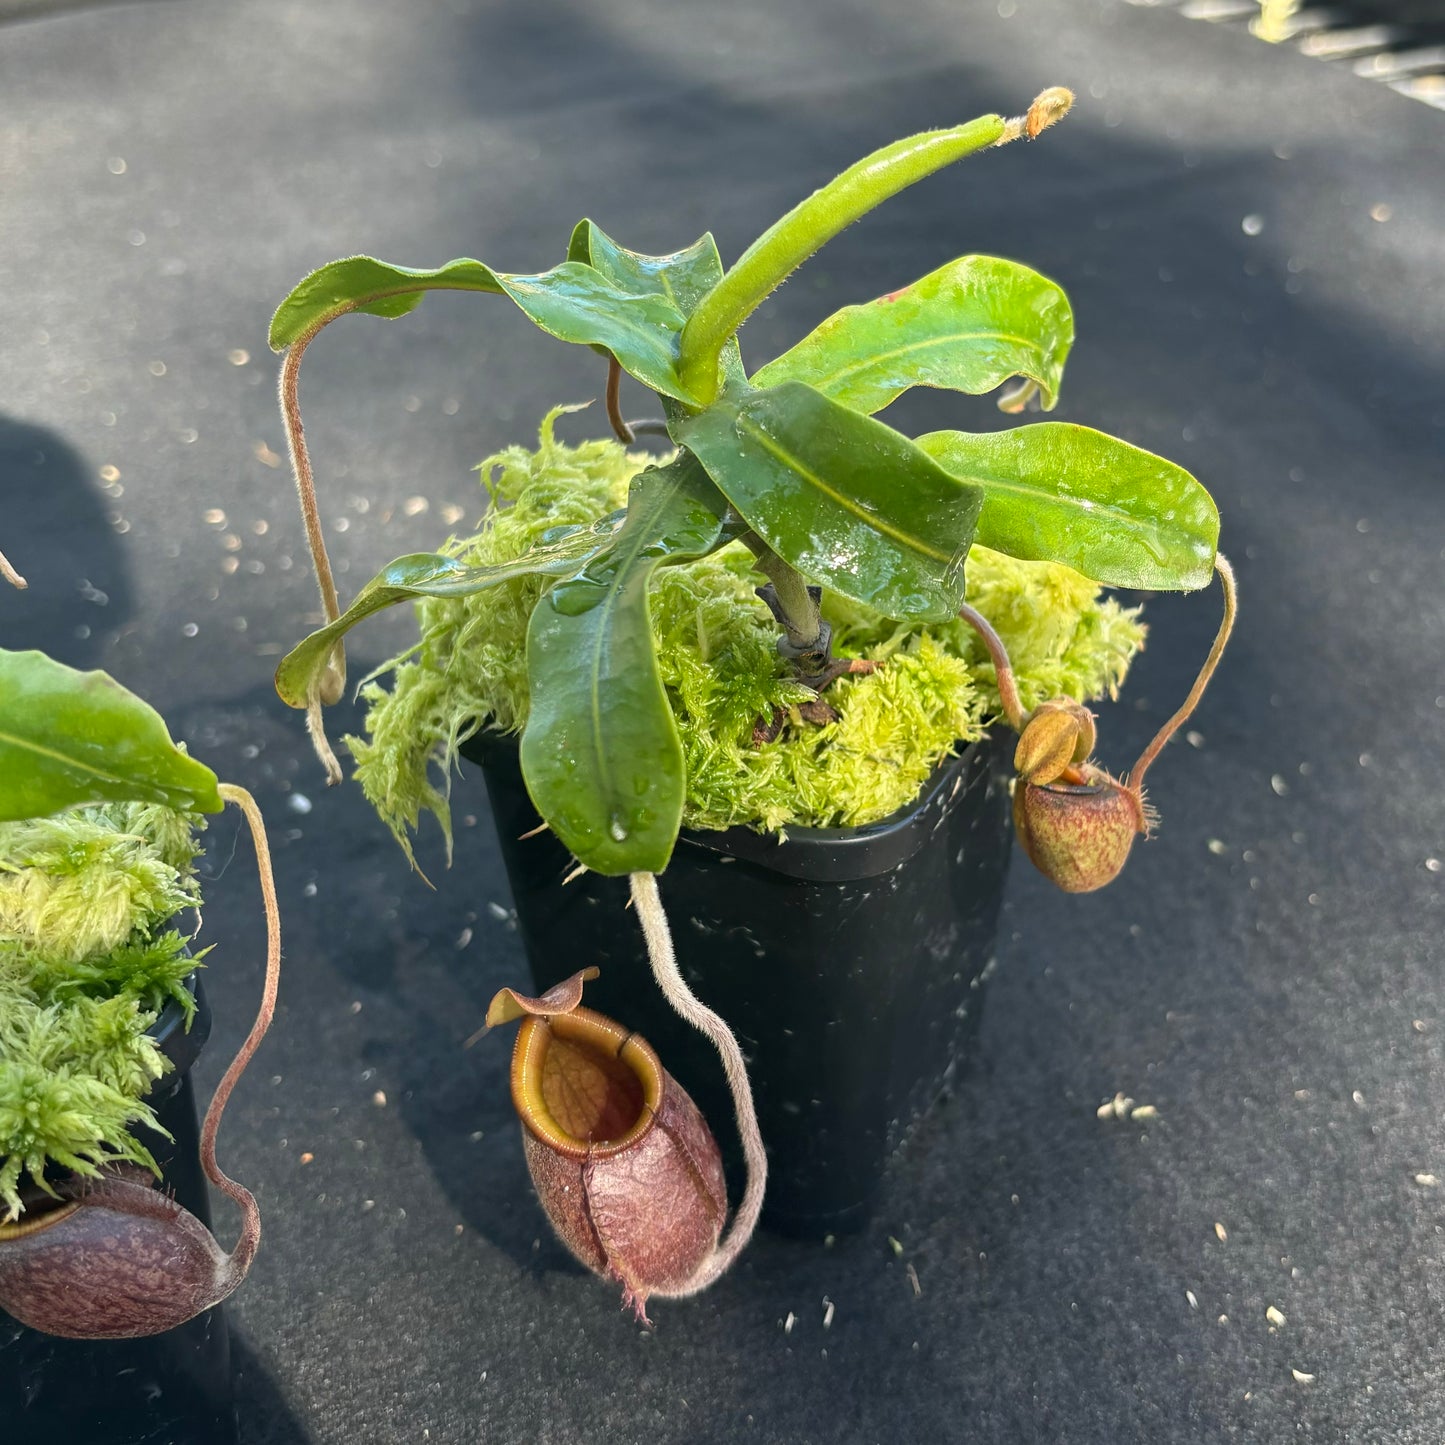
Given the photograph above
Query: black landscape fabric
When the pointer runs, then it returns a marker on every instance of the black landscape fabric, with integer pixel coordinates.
(1252, 242)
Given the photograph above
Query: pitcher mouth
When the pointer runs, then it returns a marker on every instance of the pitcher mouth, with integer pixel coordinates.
(37, 1218)
(583, 1084)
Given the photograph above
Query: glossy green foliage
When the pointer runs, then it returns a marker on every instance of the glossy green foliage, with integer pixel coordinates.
(1062, 493)
(684, 277)
(69, 737)
(427, 574)
(843, 498)
(573, 302)
(600, 753)
(969, 326)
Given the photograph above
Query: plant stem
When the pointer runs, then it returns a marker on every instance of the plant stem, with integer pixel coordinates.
(669, 979)
(624, 432)
(800, 616)
(10, 574)
(1135, 781)
(1008, 692)
(245, 1248)
(334, 681)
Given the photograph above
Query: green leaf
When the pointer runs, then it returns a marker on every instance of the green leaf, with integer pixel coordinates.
(600, 751)
(427, 574)
(573, 302)
(968, 326)
(69, 737)
(791, 239)
(1061, 493)
(843, 498)
(684, 277)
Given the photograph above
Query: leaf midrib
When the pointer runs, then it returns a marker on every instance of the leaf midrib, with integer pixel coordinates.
(874, 359)
(877, 523)
(26, 745)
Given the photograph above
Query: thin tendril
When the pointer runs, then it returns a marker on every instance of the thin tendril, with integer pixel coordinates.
(334, 681)
(245, 1248)
(1008, 692)
(669, 979)
(10, 574)
(1135, 781)
(625, 434)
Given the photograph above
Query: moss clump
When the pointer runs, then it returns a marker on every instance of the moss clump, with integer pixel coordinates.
(86, 965)
(717, 653)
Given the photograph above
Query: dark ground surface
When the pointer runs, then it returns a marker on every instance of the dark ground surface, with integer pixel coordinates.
(1266, 974)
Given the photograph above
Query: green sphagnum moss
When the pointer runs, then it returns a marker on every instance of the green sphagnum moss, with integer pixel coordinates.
(717, 653)
(87, 962)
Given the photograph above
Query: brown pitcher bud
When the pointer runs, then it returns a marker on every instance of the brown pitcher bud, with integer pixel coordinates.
(1079, 835)
(1059, 734)
(623, 1163)
(115, 1260)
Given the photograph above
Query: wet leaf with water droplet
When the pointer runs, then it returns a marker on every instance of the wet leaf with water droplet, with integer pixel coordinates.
(600, 752)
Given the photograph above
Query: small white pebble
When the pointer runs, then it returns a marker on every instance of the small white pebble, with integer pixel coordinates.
(1194, 739)
(1252, 225)
(827, 1313)
(789, 1323)
(299, 803)
(1359, 1098)
(1301, 1378)
(1432, 865)
(1217, 847)
(1381, 212)
(464, 937)
(1426, 1181)
(1220, 1231)
(1193, 1303)
(415, 506)
(1145, 1111)
(355, 1006)
(238, 357)
(1224, 1319)
(379, 1099)
(498, 912)
(1274, 1316)
(1279, 785)
(367, 1205)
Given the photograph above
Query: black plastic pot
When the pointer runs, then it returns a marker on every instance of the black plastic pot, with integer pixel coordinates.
(849, 962)
(169, 1389)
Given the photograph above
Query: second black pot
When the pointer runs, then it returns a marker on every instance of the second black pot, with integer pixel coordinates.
(849, 962)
